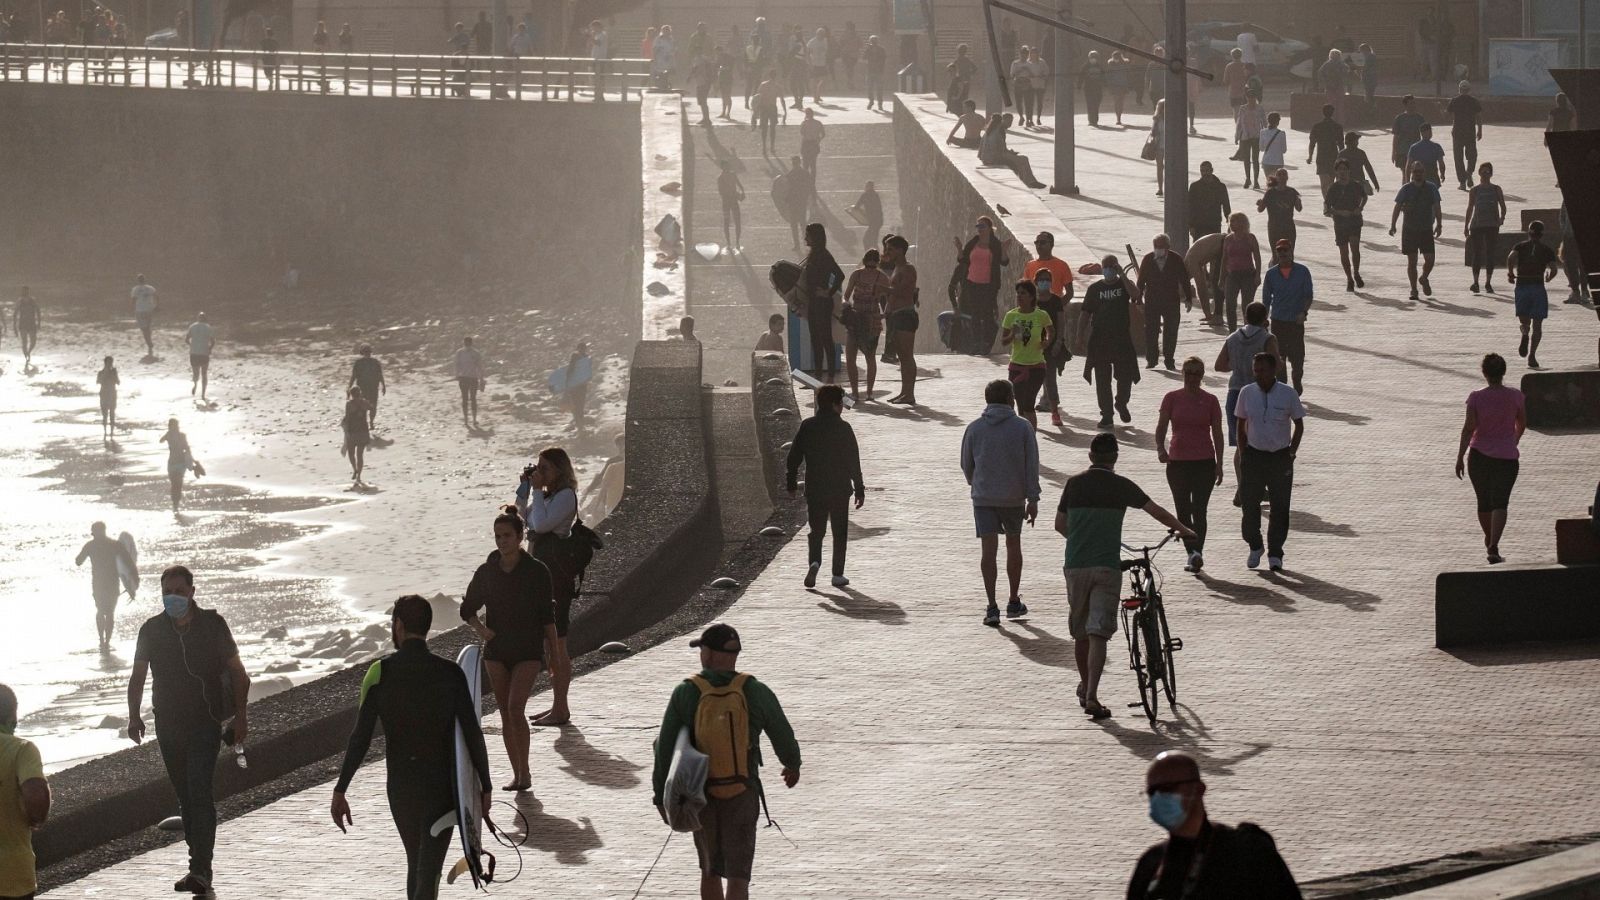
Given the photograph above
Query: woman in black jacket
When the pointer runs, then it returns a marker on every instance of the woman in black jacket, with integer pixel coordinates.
(983, 257)
(821, 279)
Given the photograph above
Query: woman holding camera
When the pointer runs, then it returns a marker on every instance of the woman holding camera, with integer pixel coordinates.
(515, 591)
(547, 498)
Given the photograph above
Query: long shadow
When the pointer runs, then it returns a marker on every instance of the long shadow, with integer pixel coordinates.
(1042, 647)
(1065, 437)
(569, 841)
(593, 765)
(1406, 360)
(1311, 523)
(1247, 594)
(1173, 731)
(1324, 591)
(1318, 411)
(1522, 654)
(1455, 309)
(862, 532)
(918, 413)
(853, 604)
(1104, 204)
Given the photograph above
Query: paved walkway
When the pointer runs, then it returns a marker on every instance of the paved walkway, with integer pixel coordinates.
(947, 759)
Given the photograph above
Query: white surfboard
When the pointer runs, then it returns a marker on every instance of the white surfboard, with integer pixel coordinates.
(708, 251)
(561, 381)
(809, 381)
(128, 572)
(468, 815)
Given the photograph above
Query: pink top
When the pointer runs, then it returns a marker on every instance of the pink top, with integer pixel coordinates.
(1192, 416)
(1496, 410)
(978, 263)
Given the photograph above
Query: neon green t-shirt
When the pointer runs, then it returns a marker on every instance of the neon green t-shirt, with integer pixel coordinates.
(1027, 335)
(19, 762)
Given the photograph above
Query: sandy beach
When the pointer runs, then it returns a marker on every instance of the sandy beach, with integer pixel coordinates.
(301, 565)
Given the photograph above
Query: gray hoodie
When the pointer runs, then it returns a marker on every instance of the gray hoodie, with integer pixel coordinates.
(1000, 457)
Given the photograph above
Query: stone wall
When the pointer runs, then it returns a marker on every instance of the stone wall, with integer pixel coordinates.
(359, 187)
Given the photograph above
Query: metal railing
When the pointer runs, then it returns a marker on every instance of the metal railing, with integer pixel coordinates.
(375, 74)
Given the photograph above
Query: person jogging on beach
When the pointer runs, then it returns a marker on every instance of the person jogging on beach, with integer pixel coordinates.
(420, 698)
(144, 312)
(200, 683)
(25, 321)
(180, 459)
(826, 446)
(726, 839)
(469, 377)
(1531, 265)
(367, 374)
(108, 379)
(103, 555)
(201, 338)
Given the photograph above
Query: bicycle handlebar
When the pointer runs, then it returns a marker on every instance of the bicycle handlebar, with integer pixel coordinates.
(1152, 550)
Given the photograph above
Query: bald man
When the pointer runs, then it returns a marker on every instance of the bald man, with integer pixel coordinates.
(1202, 859)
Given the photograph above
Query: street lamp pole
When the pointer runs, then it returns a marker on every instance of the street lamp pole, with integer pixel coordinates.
(1063, 66)
(1176, 130)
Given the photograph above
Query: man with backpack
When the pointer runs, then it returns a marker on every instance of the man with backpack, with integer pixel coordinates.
(725, 711)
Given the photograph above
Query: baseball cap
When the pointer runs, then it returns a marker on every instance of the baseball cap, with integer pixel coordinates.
(1104, 444)
(1283, 244)
(719, 637)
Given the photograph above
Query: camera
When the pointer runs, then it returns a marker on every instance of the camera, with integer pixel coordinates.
(528, 470)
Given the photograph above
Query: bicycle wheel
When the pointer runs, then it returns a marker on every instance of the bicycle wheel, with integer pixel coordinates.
(1140, 654)
(1169, 675)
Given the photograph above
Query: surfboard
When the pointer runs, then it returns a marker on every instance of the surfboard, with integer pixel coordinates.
(685, 794)
(582, 371)
(708, 251)
(468, 815)
(129, 574)
(806, 379)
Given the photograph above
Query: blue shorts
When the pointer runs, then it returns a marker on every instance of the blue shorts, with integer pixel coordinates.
(1532, 301)
(999, 519)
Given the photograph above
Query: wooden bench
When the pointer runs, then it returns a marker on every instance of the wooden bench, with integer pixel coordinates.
(104, 72)
(299, 77)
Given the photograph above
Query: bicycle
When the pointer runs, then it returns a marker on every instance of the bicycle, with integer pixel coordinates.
(1144, 620)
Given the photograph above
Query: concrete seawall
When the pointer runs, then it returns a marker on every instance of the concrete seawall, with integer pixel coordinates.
(355, 187)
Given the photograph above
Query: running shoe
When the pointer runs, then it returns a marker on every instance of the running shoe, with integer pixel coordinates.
(1122, 410)
(811, 575)
(1275, 563)
(1105, 422)
(1196, 562)
(1016, 609)
(992, 617)
(1254, 559)
(840, 581)
(192, 884)
(1055, 418)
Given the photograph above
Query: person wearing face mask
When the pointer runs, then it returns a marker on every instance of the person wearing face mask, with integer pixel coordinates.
(419, 698)
(1202, 859)
(199, 684)
(1163, 280)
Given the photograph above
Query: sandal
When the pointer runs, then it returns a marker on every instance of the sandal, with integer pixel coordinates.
(1097, 712)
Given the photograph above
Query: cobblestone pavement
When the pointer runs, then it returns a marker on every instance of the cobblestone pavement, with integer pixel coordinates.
(948, 759)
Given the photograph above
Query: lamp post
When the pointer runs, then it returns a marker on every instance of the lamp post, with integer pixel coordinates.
(1176, 130)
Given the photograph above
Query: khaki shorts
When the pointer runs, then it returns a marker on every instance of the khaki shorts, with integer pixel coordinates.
(727, 836)
(1092, 598)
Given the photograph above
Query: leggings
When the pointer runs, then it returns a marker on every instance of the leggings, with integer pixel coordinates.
(1492, 479)
(1238, 291)
(417, 800)
(1025, 100)
(820, 512)
(1250, 150)
(1191, 481)
(1480, 249)
(819, 317)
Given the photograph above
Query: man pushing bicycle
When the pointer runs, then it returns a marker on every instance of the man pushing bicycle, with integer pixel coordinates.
(1090, 518)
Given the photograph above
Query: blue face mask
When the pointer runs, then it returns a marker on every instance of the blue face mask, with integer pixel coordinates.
(1166, 809)
(175, 605)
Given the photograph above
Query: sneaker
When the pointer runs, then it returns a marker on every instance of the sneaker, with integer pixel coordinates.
(1196, 561)
(1275, 563)
(1522, 346)
(1016, 609)
(192, 884)
(1254, 559)
(840, 581)
(1475, 289)
(811, 575)
(1122, 410)
(1426, 287)
(1105, 422)
(1055, 418)
(992, 617)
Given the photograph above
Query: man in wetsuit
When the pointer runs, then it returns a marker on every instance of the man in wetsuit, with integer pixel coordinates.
(419, 698)
(25, 319)
(367, 374)
(103, 554)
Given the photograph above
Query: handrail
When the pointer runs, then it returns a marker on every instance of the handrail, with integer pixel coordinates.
(377, 74)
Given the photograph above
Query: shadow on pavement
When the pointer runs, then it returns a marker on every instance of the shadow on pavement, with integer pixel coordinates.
(855, 605)
(1324, 591)
(594, 765)
(1525, 654)
(569, 841)
(1311, 523)
(1247, 594)
(1042, 647)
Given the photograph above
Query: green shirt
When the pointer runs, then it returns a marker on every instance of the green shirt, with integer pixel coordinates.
(1027, 335)
(765, 715)
(19, 762)
(1094, 501)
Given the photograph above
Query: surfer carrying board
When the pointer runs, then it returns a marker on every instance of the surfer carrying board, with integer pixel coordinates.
(721, 694)
(106, 557)
(421, 699)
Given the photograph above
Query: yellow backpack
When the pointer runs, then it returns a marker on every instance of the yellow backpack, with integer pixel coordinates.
(722, 732)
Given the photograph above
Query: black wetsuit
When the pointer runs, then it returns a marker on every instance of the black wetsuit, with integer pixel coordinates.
(419, 698)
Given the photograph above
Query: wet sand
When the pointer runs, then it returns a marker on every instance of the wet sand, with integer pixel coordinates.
(300, 565)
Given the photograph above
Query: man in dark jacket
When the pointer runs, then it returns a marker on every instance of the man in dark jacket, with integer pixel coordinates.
(827, 445)
(1208, 204)
(420, 698)
(1202, 859)
(1163, 277)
